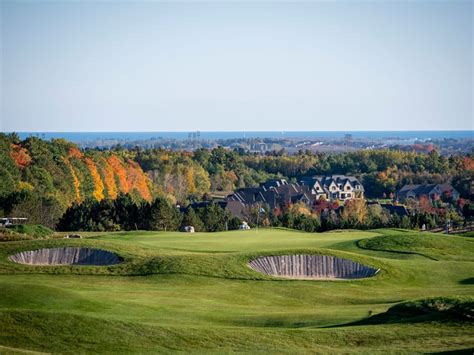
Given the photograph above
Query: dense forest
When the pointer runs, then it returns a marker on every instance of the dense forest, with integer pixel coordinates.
(41, 179)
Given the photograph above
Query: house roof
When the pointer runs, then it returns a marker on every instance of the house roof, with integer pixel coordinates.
(325, 181)
(424, 190)
(395, 209)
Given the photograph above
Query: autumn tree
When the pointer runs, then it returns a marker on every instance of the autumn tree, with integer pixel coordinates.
(354, 213)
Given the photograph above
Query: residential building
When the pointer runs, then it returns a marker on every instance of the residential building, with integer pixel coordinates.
(335, 187)
(430, 191)
(280, 193)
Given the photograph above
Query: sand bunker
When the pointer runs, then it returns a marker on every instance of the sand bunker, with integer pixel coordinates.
(311, 267)
(66, 256)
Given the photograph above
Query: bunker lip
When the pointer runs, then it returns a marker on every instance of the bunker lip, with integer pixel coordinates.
(311, 267)
(66, 256)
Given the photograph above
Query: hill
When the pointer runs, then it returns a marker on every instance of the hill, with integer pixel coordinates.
(39, 179)
(196, 293)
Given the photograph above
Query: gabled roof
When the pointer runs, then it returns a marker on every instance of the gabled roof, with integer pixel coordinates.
(395, 209)
(325, 181)
(273, 183)
(424, 190)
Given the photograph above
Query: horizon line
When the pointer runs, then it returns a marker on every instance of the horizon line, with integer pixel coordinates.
(244, 131)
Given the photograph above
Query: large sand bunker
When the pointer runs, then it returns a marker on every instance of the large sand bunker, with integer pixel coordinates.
(311, 267)
(66, 256)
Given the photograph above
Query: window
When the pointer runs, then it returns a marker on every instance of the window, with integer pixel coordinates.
(348, 187)
(334, 188)
(348, 195)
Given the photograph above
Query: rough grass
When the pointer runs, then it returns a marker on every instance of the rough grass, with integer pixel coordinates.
(434, 246)
(34, 230)
(7, 235)
(24, 232)
(195, 293)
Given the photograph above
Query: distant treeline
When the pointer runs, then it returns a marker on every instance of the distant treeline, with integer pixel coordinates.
(41, 179)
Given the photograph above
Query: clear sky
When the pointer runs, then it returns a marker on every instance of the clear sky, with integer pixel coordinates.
(226, 66)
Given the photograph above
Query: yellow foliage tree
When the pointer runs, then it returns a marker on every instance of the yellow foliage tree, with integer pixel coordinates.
(98, 184)
(355, 211)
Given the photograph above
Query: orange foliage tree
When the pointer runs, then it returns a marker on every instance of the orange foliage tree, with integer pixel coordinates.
(120, 171)
(138, 180)
(109, 179)
(468, 163)
(20, 156)
(74, 152)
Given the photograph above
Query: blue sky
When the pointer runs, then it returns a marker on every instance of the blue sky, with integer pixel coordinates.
(227, 66)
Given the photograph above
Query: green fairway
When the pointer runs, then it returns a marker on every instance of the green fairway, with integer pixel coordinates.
(195, 293)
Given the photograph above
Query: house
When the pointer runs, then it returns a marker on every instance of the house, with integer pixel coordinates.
(335, 187)
(280, 193)
(273, 193)
(430, 191)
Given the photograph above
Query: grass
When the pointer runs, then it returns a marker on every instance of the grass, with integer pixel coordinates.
(24, 232)
(195, 293)
(34, 230)
(430, 245)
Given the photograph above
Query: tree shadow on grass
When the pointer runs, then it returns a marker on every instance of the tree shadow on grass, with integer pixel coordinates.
(469, 351)
(438, 309)
(386, 318)
(468, 281)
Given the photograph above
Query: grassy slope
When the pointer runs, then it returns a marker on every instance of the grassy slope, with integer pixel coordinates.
(199, 295)
(34, 230)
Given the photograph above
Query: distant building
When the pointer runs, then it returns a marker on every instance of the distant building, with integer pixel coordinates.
(430, 191)
(399, 210)
(274, 193)
(280, 193)
(335, 187)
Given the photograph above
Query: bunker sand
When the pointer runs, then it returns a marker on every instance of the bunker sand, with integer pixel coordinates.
(66, 256)
(311, 267)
